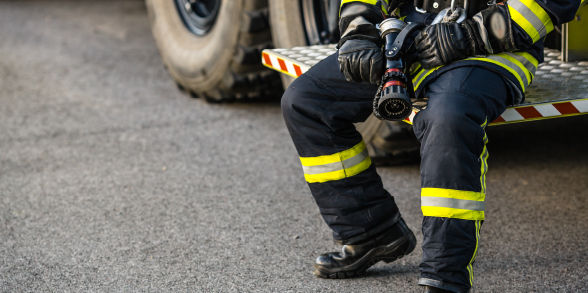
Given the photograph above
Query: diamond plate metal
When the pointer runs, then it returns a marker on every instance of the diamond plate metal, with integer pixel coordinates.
(557, 80)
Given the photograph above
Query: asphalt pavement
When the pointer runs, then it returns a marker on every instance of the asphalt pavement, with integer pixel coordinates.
(112, 180)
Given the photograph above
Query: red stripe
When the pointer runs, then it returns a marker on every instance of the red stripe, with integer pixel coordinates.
(566, 108)
(529, 112)
(267, 59)
(298, 70)
(499, 119)
(394, 82)
(282, 65)
(393, 69)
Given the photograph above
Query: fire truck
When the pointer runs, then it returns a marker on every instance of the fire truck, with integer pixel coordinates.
(235, 50)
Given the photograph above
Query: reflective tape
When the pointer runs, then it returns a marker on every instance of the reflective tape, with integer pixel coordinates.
(384, 4)
(422, 75)
(531, 17)
(470, 267)
(442, 212)
(336, 166)
(451, 203)
(484, 159)
(520, 64)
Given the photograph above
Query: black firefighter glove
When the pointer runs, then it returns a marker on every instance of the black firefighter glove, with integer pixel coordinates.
(443, 43)
(360, 54)
(361, 60)
(488, 32)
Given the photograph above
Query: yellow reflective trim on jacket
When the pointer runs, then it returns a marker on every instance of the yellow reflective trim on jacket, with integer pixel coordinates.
(442, 212)
(520, 64)
(422, 75)
(453, 193)
(371, 2)
(531, 17)
(528, 75)
(503, 60)
(336, 166)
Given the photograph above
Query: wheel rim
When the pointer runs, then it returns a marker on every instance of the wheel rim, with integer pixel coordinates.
(320, 19)
(198, 16)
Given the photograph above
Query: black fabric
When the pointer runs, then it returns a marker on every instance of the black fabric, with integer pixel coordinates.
(353, 10)
(451, 135)
(320, 108)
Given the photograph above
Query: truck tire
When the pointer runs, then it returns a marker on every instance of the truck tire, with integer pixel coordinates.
(302, 23)
(212, 48)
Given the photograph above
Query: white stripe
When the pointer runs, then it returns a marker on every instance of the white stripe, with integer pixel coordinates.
(304, 68)
(411, 117)
(547, 110)
(290, 67)
(582, 106)
(511, 115)
(275, 63)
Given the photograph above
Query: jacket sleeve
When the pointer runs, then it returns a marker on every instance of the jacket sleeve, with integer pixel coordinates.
(358, 19)
(532, 20)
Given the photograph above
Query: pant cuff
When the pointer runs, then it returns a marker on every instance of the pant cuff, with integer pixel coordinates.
(441, 285)
(371, 233)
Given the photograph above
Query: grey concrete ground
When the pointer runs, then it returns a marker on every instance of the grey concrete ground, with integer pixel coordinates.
(111, 180)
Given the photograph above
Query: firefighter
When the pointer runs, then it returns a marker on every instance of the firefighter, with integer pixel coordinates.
(470, 72)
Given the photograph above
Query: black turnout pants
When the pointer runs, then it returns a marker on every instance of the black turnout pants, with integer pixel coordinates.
(320, 108)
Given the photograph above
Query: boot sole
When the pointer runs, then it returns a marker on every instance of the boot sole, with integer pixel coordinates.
(386, 254)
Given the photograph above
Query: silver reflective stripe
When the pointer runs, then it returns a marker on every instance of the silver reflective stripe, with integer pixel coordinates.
(524, 61)
(512, 66)
(444, 202)
(529, 16)
(336, 166)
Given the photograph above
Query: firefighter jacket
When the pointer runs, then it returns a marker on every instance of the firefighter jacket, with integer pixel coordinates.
(528, 22)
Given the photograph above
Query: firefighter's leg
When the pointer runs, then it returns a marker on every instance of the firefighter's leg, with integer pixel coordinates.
(453, 167)
(319, 109)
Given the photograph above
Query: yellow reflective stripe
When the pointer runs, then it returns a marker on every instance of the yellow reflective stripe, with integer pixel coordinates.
(527, 61)
(470, 266)
(452, 209)
(442, 212)
(484, 168)
(421, 76)
(453, 193)
(484, 159)
(371, 2)
(526, 73)
(336, 166)
(531, 17)
(521, 64)
(336, 157)
(494, 60)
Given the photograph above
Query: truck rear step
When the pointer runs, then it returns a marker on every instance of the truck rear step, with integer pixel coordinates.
(559, 89)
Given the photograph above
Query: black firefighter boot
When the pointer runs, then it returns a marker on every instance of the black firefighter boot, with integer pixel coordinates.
(355, 259)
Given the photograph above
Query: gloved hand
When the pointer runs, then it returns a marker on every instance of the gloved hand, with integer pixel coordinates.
(488, 32)
(361, 60)
(443, 43)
